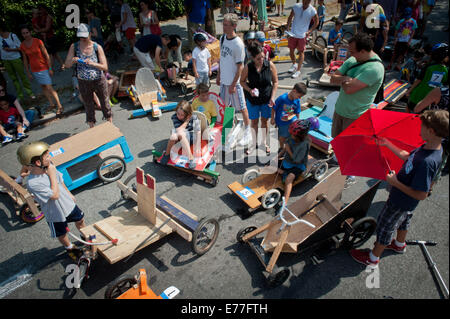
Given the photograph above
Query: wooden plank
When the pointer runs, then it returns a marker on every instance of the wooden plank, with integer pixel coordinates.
(175, 226)
(109, 232)
(176, 214)
(146, 195)
(277, 252)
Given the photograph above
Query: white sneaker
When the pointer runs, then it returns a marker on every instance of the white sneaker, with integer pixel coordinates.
(295, 75)
(293, 68)
(247, 138)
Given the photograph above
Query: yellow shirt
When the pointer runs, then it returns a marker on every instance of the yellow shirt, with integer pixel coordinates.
(208, 108)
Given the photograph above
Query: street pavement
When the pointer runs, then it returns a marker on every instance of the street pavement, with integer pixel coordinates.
(32, 265)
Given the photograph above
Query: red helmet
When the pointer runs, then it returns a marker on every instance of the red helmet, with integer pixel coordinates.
(299, 126)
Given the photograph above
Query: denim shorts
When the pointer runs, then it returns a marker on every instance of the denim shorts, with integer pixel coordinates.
(58, 229)
(257, 111)
(43, 77)
(391, 218)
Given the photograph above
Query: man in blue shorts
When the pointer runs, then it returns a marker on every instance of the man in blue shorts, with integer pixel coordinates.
(48, 188)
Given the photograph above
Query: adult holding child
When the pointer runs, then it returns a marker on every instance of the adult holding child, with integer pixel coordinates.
(91, 65)
(38, 65)
(259, 80)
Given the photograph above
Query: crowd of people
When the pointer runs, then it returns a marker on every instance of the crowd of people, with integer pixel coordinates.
(248, 81)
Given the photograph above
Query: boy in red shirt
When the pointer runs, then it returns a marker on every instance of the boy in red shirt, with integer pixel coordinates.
(10, 118)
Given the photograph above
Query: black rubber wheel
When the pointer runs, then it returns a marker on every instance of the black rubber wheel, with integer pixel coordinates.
(321, 171)
(130, 181)
(278, 277)
(347, 36)
(205, 235)
(119, 286)
(362, 230)
(320, 41)
(111, 168)
(27, 216)
(244, 231)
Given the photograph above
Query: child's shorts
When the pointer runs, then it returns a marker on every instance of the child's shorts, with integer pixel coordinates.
(283, 131)
(286, 171)
(58, 229)
(203, 77)
(391, 218)
(257, 111)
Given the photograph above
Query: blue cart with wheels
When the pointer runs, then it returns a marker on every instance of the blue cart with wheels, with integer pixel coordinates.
(99, 152)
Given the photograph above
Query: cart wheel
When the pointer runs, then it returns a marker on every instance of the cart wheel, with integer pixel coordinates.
(249, 175)
(243, 232)
(205, 235)
(362, 230)
(321, 171)
(27, 216)
(270, 198)
(111, 168)
(184, 89)
(320, 41)
(129, 182)
(119, 286)
(83, 266)
(278, 277)
(347, 36)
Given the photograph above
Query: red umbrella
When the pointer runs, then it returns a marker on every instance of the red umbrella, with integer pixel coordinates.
(356, 148)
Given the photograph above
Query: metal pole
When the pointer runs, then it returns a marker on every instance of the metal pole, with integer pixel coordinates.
(431, 263)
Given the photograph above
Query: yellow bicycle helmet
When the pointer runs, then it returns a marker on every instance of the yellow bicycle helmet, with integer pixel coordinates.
(27, 152)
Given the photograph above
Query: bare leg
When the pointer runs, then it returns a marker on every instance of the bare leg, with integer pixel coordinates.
(288, 186)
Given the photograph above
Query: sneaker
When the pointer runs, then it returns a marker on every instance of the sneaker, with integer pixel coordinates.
(75, 253)
(21, 136)
(114, 100)
(363, 257)
(394, 247)
(7, 139)
(247, 138)
(295, 75)
(293, 68)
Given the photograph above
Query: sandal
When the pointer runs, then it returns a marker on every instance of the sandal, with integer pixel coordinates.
(249, 150)
(59, 113)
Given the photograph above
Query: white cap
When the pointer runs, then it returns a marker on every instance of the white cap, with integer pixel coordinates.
(83, 30)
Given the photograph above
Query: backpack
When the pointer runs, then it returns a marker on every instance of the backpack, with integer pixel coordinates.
(380, 94)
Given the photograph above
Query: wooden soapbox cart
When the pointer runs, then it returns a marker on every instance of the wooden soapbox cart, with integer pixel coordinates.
(120, 236)
(317, 217)
(99, 152)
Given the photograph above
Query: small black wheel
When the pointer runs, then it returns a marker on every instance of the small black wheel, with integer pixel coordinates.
(244, 231)
(322, 42)
(130, 181)
(205, 235)
(214, 181)
(347, 36)
(270, 198)
(362, 230)
(119, 286)
(111, 168)
(27, 215)
(278, 277)
(320, 171)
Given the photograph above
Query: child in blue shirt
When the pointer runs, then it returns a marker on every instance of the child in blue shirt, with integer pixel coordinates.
(286, 110)
(411, 185)
(321, 13)
(336, 34)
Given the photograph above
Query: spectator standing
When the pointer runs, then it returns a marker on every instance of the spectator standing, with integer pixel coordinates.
(381, 34)
(262, 14)
(127, 23)
(201, 60)
(147, 17)
(232, 55)
(113, 10)
(346, 5)
(280, 7)
(196, 11)
(45, 29)
(260, 82)
(321, 11)
(36, 59)
(10, 55)
(95, 25)
(404, 33)
(300, 19)
(91, 65)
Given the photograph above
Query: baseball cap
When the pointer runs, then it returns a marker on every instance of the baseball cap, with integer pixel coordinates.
(83, 30)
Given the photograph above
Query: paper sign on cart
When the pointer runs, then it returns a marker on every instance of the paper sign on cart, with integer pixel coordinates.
(57, 152)
(245, 193)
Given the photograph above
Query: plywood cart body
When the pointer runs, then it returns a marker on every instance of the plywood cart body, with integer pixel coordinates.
(99, 152)
(153, 218)
(317, 217)
(263, 187)
(27, 208)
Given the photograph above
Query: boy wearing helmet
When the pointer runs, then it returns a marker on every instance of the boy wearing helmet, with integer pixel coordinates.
(201, 59)
(48, 188)
(295, 151)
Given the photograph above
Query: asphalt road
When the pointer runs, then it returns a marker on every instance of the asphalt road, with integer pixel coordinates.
(229, 270)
